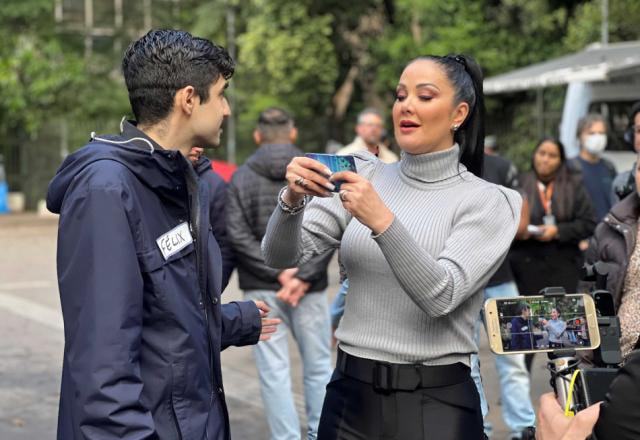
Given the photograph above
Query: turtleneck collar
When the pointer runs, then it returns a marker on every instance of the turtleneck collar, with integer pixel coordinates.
(432, 167)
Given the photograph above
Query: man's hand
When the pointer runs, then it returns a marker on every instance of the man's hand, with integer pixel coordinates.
(293, 291)
(268, 325)
(286, 275)
(554, 425)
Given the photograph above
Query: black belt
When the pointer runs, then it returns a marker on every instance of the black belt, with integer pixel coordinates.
(385, 376)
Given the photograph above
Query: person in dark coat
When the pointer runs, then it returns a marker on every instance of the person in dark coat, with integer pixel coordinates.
(139, 270)
(521, 329)
(296, 295)
(615, 243)
(560, 216)
(217, 207)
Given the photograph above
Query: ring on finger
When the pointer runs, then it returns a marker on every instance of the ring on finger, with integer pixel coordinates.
(300, 181)
(343, 195)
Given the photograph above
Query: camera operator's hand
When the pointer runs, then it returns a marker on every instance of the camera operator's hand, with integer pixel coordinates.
(554, 425)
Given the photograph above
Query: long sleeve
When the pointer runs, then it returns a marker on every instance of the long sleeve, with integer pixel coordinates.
(241, 324)
(472, 252)
(290, 243)
(619, 416)
(583, 223)
(101, 291)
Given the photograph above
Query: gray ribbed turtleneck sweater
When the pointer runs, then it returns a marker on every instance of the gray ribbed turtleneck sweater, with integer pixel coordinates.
(415, 290)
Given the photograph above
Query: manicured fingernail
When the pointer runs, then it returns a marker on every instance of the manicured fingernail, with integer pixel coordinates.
(327, 171)
(330, 186)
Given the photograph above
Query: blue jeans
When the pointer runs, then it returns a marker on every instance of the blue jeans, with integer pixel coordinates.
(309, 326)
(517, 410)
(337, 306)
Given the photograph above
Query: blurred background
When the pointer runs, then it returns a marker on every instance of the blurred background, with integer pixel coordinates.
(323, 60)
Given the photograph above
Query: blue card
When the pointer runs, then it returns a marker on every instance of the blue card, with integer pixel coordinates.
(335, 163)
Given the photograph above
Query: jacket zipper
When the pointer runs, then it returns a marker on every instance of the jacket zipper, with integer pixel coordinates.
(193, 192)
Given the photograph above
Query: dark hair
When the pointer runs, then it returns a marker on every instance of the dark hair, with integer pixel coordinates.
(521, 308)
(164, 61)
(274, 124)
(554, 140)
(565, 184)
(557, 310)
(466, 77)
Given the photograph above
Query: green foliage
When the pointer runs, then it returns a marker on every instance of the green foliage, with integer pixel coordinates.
(300, 55)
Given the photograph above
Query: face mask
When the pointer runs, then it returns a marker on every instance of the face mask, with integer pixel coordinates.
(595, 143)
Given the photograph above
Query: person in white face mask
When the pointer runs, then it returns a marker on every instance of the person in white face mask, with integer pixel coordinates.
(597, 172)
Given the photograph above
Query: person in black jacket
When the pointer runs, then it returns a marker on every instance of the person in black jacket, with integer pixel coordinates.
(560, 216)
(139, 271)
(296, 295)
(217, 207)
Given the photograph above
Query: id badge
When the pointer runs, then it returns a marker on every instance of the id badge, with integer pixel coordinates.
(549, 220)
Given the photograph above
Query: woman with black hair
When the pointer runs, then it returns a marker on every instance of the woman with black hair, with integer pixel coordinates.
(560, 216)
(419, 238)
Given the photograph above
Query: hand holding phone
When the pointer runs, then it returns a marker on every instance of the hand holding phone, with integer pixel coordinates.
(336, 164)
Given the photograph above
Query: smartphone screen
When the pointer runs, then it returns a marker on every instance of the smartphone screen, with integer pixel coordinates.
(529, 324)
(335, 163)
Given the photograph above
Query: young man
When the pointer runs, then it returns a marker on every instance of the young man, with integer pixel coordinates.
(139, 270)
(296, 295)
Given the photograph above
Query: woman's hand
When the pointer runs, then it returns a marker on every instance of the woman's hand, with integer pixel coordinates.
(549, 232)
(306, 176)
(363, 202)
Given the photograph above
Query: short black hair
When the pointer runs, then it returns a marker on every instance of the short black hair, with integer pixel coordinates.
(163, 61)
(274, 124)
(521, 307)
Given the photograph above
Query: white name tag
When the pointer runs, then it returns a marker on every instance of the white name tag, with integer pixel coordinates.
(175, 240)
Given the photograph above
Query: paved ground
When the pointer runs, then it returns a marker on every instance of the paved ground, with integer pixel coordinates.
(31, 344)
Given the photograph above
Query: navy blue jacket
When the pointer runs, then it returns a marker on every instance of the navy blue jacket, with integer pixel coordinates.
(143, 333)
(217, 209)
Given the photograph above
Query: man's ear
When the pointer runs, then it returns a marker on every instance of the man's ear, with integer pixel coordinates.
(186, 100)
(257, 137)
(293, 135)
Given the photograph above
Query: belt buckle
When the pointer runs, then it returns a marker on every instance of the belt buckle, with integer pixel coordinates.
(382, 377)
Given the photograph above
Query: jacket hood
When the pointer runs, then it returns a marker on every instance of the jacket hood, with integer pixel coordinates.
(271, 160)
(162, 170)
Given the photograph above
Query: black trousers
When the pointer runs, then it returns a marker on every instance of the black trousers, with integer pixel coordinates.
(354, 410)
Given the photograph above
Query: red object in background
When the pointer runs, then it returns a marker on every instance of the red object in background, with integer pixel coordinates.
(578, 322)
(224, 169)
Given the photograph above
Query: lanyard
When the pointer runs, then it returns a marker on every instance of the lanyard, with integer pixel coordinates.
(545, 194)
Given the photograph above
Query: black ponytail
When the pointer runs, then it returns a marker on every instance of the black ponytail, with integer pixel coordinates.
(466, 77)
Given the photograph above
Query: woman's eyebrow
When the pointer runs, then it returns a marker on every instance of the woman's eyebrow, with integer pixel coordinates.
(424, 85)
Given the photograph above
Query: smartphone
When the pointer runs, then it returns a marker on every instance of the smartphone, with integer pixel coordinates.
(335, 163)
(530, 324)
